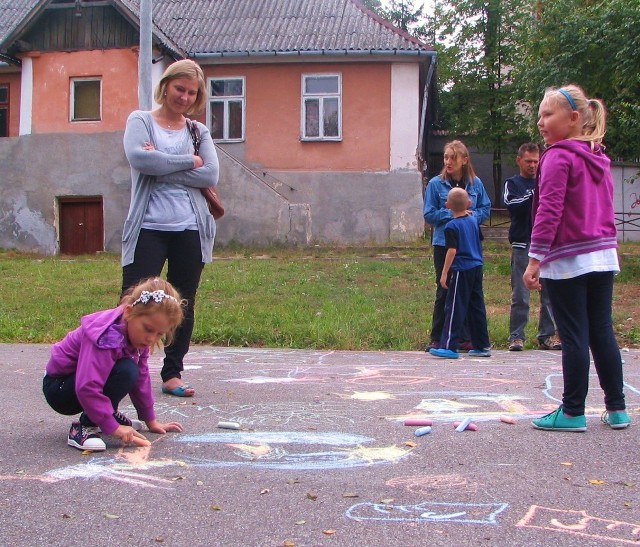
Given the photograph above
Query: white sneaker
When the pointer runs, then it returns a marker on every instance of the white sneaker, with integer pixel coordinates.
(85, 438)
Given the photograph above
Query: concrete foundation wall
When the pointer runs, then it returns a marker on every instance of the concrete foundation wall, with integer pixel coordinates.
(304, 208)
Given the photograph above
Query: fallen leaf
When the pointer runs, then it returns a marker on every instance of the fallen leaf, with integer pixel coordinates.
(386, 500)
(110, 516)
(181, 464)
(288, 543)
(566, 464)
(328, 532)
(216, 508)
(177, 478)
(312, 497)
(597, 482)
(159, 539)
(293, 481)
(411, 444)
(299, 522)
(199, 483)
(264, 491)
(350, 495)
(627, 504)
(66, 516)
(21, 471)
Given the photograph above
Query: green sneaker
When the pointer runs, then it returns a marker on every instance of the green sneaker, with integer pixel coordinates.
(557, 421)
(617, 420)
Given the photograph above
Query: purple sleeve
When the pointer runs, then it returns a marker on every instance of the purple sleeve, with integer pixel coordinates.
(552, 188)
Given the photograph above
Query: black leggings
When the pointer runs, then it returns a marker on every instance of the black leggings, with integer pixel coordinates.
(181, 251)
(61, 395)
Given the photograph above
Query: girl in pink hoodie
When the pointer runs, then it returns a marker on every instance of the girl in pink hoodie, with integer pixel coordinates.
(96, 365)
(574, 249)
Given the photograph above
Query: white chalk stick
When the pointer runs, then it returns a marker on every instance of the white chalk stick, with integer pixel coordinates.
(229, 425)
(463, 424)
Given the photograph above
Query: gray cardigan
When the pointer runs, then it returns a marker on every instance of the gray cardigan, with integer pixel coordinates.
(147, 164)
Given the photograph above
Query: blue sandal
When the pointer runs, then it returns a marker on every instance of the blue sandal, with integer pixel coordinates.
(180, 391)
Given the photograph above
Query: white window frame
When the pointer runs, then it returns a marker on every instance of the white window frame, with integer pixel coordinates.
(321, 97)
(72, 114)
(226, 99)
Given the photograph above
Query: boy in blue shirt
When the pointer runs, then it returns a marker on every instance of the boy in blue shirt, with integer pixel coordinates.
(462, 278)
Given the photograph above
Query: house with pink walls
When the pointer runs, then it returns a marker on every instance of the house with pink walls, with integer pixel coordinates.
(320, 110)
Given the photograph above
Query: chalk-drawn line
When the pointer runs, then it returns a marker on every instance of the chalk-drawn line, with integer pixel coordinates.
(581, 524)
(465, 513)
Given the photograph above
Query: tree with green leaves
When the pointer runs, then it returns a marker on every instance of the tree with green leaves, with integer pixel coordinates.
(592, 43)
(477, 50)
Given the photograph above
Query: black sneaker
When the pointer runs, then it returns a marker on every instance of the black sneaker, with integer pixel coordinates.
(123, 420)
(85, 438)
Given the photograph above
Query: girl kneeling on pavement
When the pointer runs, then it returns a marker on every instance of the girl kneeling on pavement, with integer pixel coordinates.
(96, 365)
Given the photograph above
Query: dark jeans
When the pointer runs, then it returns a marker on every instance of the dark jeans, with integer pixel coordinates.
(582, 311)
(181, 251)
(437, 320)
(60, 393)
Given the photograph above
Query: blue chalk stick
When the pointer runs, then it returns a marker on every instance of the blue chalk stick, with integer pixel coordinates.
(423, 431)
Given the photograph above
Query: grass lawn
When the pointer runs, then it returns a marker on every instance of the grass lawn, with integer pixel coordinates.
(365, 298)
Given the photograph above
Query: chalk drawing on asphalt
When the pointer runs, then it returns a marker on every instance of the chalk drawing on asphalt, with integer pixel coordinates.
(316, 450)
(424, 485)
(317, 413)
(581, 524)
(465, 513)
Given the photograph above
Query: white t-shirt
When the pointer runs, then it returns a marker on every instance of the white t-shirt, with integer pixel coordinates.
(568, 267)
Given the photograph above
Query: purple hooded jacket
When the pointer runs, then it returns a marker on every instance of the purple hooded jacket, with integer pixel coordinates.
(573, 210)
(91, 351)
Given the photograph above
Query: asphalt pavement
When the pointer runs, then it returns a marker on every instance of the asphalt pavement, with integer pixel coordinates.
(322, 456)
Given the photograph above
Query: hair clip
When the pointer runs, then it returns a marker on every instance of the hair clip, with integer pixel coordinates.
(157, 296)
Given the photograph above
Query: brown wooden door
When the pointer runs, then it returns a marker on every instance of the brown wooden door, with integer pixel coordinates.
(81, 225)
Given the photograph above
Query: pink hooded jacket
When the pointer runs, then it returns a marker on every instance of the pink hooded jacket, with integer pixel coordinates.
(573, 209)
(91, 351)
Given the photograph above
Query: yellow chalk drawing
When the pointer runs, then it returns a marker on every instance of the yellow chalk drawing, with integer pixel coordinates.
(391, 453)
(253, 451)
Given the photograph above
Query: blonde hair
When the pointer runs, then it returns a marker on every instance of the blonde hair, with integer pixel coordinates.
(186, 68)
(458, 199)
(458, 148)
(592, 111)
(169, 303)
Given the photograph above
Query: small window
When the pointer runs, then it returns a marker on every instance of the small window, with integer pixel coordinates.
(226, 109)
(4, 110)
(321, 107)
(86, 100)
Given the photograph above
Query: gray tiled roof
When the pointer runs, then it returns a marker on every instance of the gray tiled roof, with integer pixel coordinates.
(258, 27)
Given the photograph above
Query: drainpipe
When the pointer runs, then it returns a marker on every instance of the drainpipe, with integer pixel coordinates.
(144, 60)
(425, 104)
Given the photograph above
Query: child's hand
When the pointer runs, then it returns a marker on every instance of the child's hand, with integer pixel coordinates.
(148, 146)
(443, 281)
(156, 427)
(128, 435)
(197, 162)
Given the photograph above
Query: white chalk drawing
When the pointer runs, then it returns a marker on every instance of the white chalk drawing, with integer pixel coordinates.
(580, 523)
(318, 413)
(428, 511)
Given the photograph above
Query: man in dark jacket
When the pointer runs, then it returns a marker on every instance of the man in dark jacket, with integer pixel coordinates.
(518, 197)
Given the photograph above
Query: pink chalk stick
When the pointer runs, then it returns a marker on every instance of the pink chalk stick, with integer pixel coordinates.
(417, 421)
(470, 427)
(508, 419)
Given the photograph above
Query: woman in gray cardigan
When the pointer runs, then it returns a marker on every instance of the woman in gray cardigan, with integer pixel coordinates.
(168, 219)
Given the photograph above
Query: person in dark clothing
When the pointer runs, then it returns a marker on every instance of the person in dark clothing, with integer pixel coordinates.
(518, 197)
(462, 278)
